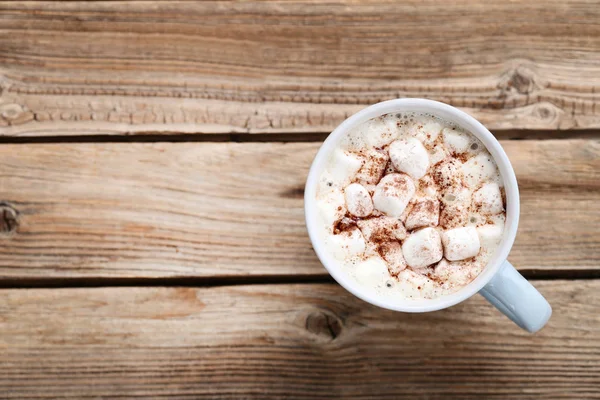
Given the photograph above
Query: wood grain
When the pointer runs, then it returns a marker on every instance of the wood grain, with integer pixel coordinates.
(76, 68)
(289, 341)
(134, 210)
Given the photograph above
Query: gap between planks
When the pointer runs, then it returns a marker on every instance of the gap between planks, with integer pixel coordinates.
(221, 281)
(150, 137)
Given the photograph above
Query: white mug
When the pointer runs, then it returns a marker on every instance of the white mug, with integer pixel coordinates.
(499, 282)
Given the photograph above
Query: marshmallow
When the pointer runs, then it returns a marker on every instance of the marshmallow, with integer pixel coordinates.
(424, 213)
(455, 208)
(425, 271)
(488, 199)
(454, 274)
(358, 200)
(442, 270)
(332, 207)
(343, 167)
(373, 272)
(409, 156)
(372, 133)
(373, 167)
(392, 254)
(415, 284)
(393, 193)
(448, 174)
(490, 236)
(431, 131)
(422, 248)
(457, 142)
(460, 243)
(382, 229)
(347, 244)
(479, 168)
(438, 153)
(426, 131)
(427, 187)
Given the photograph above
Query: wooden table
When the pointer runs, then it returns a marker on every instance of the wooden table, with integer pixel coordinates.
(152, 163)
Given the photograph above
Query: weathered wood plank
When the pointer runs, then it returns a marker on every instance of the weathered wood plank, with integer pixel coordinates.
(289, 341)
(208, 67)
(236, 209)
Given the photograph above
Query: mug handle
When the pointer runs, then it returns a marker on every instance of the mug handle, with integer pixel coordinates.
(516, 298)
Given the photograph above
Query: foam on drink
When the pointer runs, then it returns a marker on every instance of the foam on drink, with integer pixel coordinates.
(411, 206)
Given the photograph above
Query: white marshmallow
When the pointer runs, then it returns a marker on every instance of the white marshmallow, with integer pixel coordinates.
(427, 187)
(437, 154)
(382, 228)
(425, 130)
(373, 167)
(431, 130)
(392, 254)
(372, 133)
(488, 199)
(393, 193)
(409, 156)
(490, 236)
(442, 270)
(460, 243)
(424, 213)
(423, 248)
(347, 244)
(455, 210)
(457, 142)
(454, 274)
(449, 174)
(358, 200)
(332, 207)
(416, 285)
(479, 168)
(425, 271)
(343, 167)
(373, 272)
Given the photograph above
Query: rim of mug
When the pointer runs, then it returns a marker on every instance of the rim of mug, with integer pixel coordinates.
(447, 113)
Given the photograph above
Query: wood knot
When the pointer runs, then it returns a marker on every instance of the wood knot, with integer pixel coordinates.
(14, 114)
(9, 219)
(10, 111)
(520, 79)
(324, 324)
(544, 112)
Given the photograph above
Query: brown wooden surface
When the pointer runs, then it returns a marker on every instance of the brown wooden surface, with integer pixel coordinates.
(77, 68)
(225, 297)
(236, 209)
(289, 341)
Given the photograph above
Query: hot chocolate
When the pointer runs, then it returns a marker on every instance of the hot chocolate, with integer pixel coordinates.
(411, 206)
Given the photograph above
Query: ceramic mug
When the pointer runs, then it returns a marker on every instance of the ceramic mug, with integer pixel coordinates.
(499, 282)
